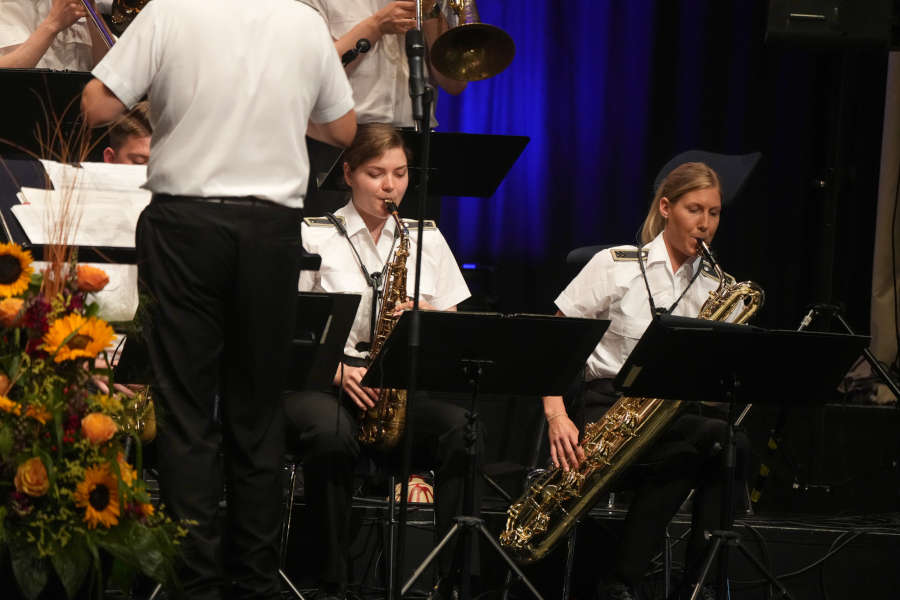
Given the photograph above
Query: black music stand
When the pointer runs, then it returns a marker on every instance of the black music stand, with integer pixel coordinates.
(701, 360)
(469, 164)
(473, 352)
(322, 324)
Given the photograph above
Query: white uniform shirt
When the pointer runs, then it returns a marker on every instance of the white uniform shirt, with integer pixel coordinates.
(612, 289)
(70, 49)
(442, 286)
(380, 77)
(232, 87)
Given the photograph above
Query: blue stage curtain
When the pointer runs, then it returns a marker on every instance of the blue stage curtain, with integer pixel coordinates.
(609, 90)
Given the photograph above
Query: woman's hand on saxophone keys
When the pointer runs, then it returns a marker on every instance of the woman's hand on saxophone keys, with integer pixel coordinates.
(350, 379)
(408, 305)
(565, 451)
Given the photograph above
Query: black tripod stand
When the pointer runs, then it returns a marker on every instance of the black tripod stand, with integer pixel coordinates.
(725, 538)
(469, 523)
(736, 360)
(471, 353)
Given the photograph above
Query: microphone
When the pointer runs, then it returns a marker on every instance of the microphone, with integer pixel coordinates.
(415, 53)
(362, 46)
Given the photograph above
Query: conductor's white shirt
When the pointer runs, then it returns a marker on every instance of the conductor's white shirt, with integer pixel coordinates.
(610, 286)
(443, 285)
(232, 86)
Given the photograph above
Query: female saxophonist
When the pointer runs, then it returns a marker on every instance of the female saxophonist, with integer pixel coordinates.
(628, 285)
(356, 247)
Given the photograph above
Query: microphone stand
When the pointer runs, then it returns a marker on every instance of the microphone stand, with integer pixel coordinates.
(422, 97)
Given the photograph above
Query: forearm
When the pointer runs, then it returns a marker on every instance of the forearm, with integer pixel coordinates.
(99, 105)
(29, 53)
(367, 28)
(554, 406)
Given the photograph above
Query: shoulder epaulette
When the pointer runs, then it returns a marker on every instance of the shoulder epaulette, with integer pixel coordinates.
(413, 224)
(620, 255)
(322, 221)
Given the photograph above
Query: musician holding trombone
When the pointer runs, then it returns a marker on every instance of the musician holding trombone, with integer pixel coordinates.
(48, 34)
(380, 76)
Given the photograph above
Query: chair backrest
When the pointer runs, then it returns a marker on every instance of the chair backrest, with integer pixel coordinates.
(577, 258)
(733, 169)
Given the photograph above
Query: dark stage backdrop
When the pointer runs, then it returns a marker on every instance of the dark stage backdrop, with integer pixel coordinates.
(608, 91)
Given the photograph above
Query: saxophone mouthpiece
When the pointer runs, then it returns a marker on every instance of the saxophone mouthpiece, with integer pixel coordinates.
(391, 206)
(705, 251)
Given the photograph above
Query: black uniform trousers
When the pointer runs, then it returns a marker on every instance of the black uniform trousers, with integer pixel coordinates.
(221, 279)
(324, 431)
(688, 455)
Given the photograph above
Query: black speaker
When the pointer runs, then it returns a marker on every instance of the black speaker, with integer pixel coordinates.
(830, 23)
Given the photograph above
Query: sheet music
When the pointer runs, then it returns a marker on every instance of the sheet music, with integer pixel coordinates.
(104, 217)
(95, 176)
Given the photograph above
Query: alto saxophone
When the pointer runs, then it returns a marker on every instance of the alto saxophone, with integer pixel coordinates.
(552, 505)
(382, 425)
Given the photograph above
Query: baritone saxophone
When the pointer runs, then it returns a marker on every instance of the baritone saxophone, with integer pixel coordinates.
(555, 501)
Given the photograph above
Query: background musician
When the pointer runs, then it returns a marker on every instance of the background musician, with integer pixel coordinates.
(380, 77)
(686, 206)
(232, 87)
(324, 424)
(129, 137)
(48, 34)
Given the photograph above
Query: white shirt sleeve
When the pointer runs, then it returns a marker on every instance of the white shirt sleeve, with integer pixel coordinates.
(335, 98)
(130, 65)
(588, 295)
(449, 285)
(16, 24)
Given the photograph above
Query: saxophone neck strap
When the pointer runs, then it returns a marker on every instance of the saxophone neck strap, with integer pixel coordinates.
(373, 280)
(655, 312)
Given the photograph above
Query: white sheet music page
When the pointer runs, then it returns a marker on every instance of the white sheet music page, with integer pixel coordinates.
(106, 200)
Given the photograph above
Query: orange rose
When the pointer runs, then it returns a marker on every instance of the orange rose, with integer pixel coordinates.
(11, 311)
(31, 478)
(91, 279)
(98, 428)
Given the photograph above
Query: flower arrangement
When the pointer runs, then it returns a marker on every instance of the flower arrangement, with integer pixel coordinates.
(73, 509)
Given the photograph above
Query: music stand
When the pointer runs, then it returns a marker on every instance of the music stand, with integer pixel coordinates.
(468, 164)
(472, 352)
(322, 324)
(700, 360)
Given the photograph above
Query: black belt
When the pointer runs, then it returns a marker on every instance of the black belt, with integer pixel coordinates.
(224, 200)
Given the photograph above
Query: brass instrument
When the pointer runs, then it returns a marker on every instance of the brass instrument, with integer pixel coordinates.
(382, 425)
(123, 13)
(552, 505)
(471, 50)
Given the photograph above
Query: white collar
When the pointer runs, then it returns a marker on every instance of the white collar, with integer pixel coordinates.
(355, 222)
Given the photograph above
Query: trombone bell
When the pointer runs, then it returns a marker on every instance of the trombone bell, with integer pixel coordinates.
(472, 50)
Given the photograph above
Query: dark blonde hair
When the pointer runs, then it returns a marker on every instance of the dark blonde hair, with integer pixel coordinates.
(685, 178)
(371, 141)
(135, 122)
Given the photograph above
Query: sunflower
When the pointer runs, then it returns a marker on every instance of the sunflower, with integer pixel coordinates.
(74, 336)
(7, 405)
(15, 269)
(126, 471)
(38, 413)
(98, 495)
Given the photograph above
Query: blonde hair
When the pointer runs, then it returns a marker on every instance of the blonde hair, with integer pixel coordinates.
(135, 122)
(685, 178)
